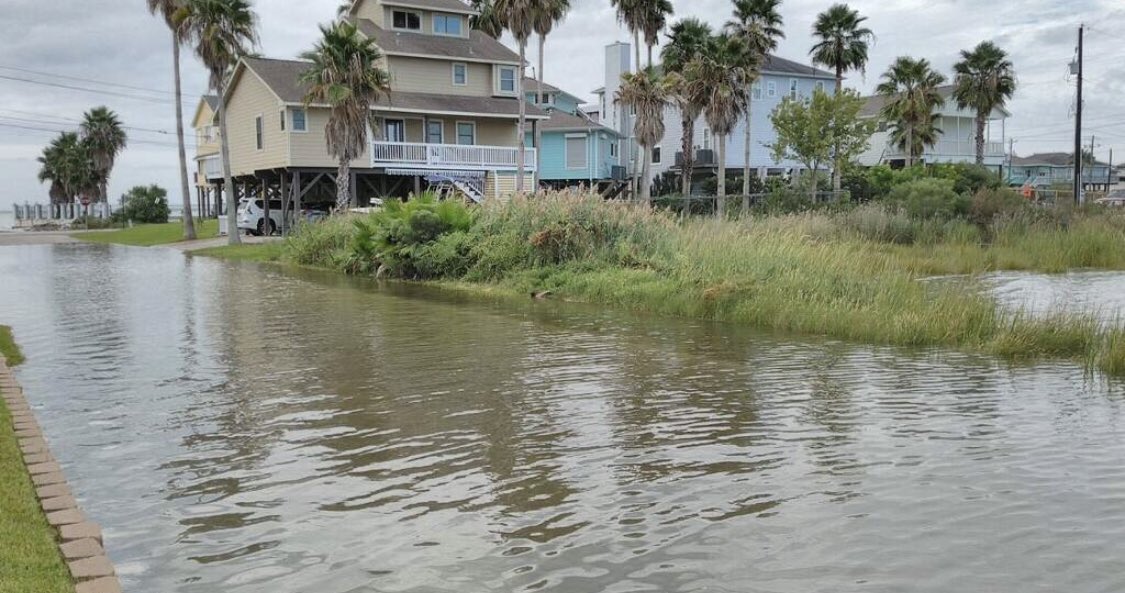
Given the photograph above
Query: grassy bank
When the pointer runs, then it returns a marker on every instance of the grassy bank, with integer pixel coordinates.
(29, 557)
(147, 235)
(258, 252)
(851, 274)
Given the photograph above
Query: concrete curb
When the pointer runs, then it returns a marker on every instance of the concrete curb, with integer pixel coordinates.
(80, 541)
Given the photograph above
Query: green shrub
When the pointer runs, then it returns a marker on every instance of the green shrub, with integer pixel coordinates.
(145, 204)
(929, 199)
(987, 204)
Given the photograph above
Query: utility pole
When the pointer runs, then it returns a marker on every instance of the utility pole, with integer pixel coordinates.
(1011, 157)
(1109, 172)
(1093, 160)
(1078, 126)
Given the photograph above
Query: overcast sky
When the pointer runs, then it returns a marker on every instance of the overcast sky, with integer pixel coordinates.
(117, 42)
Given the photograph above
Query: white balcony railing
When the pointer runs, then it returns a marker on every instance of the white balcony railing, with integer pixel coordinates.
(410, 155)
(212, 167)
(954, 148)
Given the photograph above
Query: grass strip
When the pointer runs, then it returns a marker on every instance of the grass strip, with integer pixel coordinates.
(147, 235)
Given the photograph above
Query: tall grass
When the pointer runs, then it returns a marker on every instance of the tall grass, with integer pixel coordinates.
(852, 275)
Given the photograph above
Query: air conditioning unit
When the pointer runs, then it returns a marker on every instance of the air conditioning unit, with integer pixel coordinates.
(704, 157)
(617, 173)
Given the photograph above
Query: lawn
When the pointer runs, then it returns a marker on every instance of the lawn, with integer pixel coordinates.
(257, 252)
(146, 235)
(29, 556)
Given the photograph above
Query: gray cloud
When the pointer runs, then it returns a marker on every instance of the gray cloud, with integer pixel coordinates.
(117, 41)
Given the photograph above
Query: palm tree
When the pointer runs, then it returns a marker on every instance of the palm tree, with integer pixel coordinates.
(720, 77)
(166, 9)
(518, 17)
(758, 23)
(645, 92)
(842, 46)
(105, 139)
(345, 75)
(66, 162)
(686, 43)
(547, 14)
(984, 81)
(221, 30)
(652, 17)
(911, 89)
(629, 14)
(486, 20)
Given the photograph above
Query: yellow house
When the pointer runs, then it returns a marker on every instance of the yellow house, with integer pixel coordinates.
(206, 125)
(451, 117)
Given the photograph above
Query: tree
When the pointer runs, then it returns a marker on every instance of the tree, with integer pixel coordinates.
(629, 14)
(652, 17)
(486, 20)
(720, 77)
(758, 23)
(104, 139)
(842, 46)
(345, 75)
(983, 81)
(547, 14)
(166, 9)
(66, 162)
(686, 43)
(910, 87)
(146, 204)
(828, 127)
(518, 17)
(221, 30)
(645, 92)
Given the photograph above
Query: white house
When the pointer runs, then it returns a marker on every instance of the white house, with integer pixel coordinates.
(956, 144)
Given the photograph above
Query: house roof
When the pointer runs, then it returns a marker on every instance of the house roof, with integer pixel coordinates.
(531, 84)
(779, 65)
(873, 105)
(478, 47)
(562, 121)
(439, 5)
(1051, 159)
(212, 101)
(283, 78)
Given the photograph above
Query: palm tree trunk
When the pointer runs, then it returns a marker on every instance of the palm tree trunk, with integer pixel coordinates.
(650, 55)
(909, 146)
(189, 223)
(646, 182)
(838, 164)
(687, 145)
(980, 138)
(228, 180)
(538, 128)
(343, 181)
(637, 50)
(746, 155)
(521, 154)
(720, 200)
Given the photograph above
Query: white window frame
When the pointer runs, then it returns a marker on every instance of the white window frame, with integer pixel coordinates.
(407, 12)
(453, 73)
(794, 89)
(756, 90)
(446, 15)
(457, 129)
(771, 88)
(585, 151)
(260, 132)
(500, 69)
(386, 128)
(293, 122)
(426, 133)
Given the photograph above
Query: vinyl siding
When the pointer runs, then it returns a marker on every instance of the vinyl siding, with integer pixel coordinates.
(250, 99)
(421, 75)
(427, 19)
(308, 149)
(371, 9)
(202, 146)
(554, 165)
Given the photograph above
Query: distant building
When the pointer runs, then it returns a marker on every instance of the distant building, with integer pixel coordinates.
(956, 144)
(1057, 168)
(576, 149)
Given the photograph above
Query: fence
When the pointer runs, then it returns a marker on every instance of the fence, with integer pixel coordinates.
(28, 214)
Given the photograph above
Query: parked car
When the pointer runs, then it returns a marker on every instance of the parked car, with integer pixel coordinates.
(1114, 198)
(252, 220)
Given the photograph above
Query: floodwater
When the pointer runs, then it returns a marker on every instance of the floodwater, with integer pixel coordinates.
(244, 429)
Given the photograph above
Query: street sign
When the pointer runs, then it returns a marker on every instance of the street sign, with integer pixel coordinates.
(84, 200)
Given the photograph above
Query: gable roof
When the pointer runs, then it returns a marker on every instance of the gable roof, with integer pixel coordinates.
(562, 121)
(477, 48)
(779, 65)
(283, 78)
(874, 104)
(440, 5)
(212, 103)
(1051, 159)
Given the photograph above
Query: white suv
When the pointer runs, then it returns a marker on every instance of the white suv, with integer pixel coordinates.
(251, 219)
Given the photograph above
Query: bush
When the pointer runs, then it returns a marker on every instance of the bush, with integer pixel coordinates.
(929, 199)
(987, 204)
(400, 235)
(146, 204)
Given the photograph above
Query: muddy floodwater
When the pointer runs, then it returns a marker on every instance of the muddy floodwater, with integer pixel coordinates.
(238, 429)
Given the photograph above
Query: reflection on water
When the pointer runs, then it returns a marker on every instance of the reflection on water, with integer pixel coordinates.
(250, 430)
(1098, 292)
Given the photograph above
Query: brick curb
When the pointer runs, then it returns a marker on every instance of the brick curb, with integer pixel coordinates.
(80, 541)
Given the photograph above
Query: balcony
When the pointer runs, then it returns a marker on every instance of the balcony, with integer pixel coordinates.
(953, 150)
(411, 155)
(212, 167)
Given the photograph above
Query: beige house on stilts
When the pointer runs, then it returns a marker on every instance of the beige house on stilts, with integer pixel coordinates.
(451, 117)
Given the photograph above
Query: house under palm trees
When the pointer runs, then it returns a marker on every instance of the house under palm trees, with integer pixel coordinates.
(575, 148)
(450, 118)
(955, 144)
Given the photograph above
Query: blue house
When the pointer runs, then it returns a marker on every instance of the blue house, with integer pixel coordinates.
(575, 149)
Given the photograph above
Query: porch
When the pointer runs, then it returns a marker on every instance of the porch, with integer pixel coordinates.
(424, 156)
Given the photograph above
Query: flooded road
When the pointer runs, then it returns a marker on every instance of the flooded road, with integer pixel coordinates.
(245, 429)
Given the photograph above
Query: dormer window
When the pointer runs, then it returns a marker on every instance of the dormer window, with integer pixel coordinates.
(409, 21)
(447, 24)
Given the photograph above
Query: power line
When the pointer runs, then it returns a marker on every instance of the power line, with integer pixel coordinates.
(55, 131)
(90, 90)
(90, 80)
(77, 121)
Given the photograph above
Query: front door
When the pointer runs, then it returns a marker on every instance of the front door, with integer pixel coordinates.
(396, 130)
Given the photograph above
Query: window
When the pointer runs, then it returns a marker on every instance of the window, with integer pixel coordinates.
(447, 24)
(656, 155)
(460, 74)
(547, 99)
(706, 139)
(506, 79)
(771, 89)
(300, 122)
(613, 149)
(756, 91)
(576, 152)
(258, 131)
(435, 133)
(793, 92)
(411, 21)
(466, 133)
(282, 120)
(396, 130)
(820, 85)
